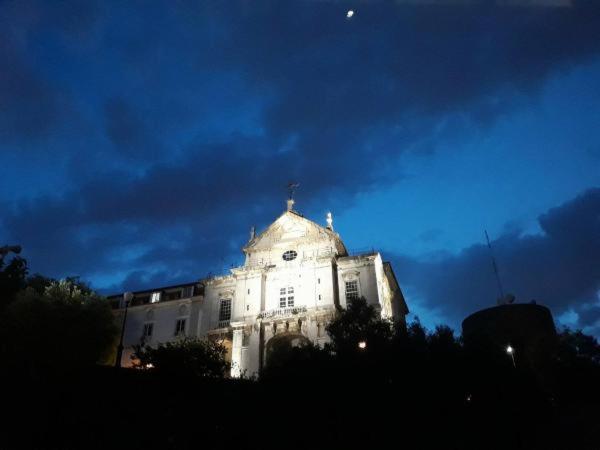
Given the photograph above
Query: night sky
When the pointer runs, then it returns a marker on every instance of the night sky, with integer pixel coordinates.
(139, 143)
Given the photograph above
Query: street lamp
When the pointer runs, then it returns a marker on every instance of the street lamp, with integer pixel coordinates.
(362, 345)
(127, 296)
(511, 352)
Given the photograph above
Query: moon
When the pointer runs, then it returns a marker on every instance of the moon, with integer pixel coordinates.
(349, 14)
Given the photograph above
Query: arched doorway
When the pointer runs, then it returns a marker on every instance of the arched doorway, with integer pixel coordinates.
(280, 345)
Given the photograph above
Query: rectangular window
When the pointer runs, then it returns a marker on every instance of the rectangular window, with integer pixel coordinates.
(155, 298)
(180, 327)
(187, 292)
(148, 329)
(176, 295)
(286, 298)
(225, 310)
(351, 290)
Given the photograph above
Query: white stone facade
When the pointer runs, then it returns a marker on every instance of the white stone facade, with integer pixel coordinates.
(296, 275)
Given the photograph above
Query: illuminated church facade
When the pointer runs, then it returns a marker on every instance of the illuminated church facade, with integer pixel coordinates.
(296, 275)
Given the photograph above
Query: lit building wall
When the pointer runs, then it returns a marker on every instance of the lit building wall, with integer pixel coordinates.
(296, 275)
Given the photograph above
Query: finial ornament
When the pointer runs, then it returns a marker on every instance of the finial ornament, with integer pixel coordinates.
(329, 221)
(291, 189)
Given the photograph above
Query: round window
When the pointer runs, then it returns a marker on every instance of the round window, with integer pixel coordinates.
(289, 255)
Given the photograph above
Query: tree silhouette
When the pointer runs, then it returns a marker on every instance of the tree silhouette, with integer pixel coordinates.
(184, 357)
(359, 329)
(66, 328)
(12, 280)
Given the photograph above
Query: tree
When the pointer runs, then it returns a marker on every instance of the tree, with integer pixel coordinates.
(65, 328)
(12, 280)
(358, 323)
(306, 363)
(578, 347)
(185, 357)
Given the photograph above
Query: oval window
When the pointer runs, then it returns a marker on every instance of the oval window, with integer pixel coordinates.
(289, 255)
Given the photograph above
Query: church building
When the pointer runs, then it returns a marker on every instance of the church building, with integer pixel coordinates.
(296, 275)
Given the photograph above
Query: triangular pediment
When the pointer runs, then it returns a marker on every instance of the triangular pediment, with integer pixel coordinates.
(290, 228)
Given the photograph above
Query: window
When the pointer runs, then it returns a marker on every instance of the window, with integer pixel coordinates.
(289, 255)
(155, 298)
(148, 329)
(286, 297)
(352, 290)
(225, 310)
(282, 299)
(175, 295)
(180, 327)
(187, 292)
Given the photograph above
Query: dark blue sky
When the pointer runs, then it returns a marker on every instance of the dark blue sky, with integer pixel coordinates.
(139, 142)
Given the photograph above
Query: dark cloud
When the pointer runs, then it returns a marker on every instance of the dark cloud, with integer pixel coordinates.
(558, 268)
(395, 59)
(219, 105)
(126, 130)
(30, 104)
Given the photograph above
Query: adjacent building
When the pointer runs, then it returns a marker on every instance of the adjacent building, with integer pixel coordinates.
(296, 275)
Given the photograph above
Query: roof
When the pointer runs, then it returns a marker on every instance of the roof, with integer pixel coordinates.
(299, 218)
(155, 289)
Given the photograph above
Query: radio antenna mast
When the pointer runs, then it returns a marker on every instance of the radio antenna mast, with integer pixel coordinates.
(495, 266)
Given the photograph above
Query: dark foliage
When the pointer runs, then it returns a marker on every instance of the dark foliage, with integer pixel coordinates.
(12, 279)
(576, 348)
(358, 323)
(407, 388)
(63, 329)
(185, 357)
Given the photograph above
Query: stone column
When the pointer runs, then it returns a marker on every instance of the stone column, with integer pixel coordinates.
(236, 353)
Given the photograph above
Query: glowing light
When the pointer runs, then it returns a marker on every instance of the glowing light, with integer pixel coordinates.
(362, 345)
(149, 366)
(349, 14)
(509, 350)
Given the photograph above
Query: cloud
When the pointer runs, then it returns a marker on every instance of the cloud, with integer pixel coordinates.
(30, 104)
(127, 131)
(558, 268)
(215, 108)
